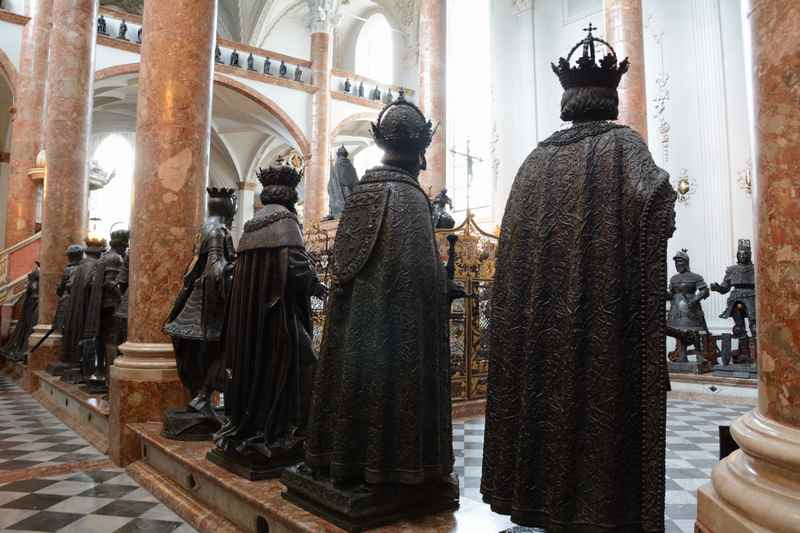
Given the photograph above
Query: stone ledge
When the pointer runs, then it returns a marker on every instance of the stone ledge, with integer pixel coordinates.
(265, 78)
(357, 100)
(128, 46)
(13, 18)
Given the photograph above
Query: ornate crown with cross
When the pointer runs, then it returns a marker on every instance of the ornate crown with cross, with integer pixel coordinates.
(588, 73)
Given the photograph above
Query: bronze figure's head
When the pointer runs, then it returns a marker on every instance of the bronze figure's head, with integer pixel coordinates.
(590, 88)
(744, 254)
(682, 261)
(403, 133)
(74, 253)
(119, 239)
(95, 245)
(280, 185)
(222, 204)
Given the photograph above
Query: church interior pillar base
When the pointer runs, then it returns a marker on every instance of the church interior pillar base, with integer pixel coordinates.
(144, 383)
(46, 354)
(756, 488)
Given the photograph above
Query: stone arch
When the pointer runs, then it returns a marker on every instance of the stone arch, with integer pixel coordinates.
(267, 103)
(9, 71)
(355, 117)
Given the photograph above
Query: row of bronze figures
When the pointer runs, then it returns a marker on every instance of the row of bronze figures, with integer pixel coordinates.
(122, 32)
(686, 321)
(283, 69)
(375, 94)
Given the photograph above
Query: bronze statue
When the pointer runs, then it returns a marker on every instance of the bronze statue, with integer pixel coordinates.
(195, 322)
(268, 338)
(79, 301)
(441, 218)
(267, 66)
(347, 86)
(123, 31)
(218, 55)
(101, 26)
(98, 342)
(235, 59)
(361, 89)
(139, 35)
(283, 69)
(16, 348)
(742, 301)
(298, 74)
(686, 321)
(251, 62)
(63, 291)
(380, 438)
(343, 179)
(576, 407)
(121, 313)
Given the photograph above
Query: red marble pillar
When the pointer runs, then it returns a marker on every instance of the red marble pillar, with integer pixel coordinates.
(624, 31)
(315, 201)
(27, 135)
(433, 87)
(173, 132)
(757, 488)
(70, 81)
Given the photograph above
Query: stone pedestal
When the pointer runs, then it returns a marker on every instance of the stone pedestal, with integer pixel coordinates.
(624, 31)
(173, 130)
(27, 134)
(757, 488)
(45, 355)
(433, 88)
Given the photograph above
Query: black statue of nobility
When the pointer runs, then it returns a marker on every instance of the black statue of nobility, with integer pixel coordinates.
(267, 66)
(441, 218)
(121, 313)
(298, 74)
(380, 438)
(16, 348)
(576, 408)
(235, 59)
(98, 344)
(251, 62)
(75, 318)
(218, 55)
(123, 31)
(361, 89)
(268, 338)
(139, 35)
(102, 28)
(196, 321)
(63, 291)
(740, 277)
(343, 179)
(686, 321)
(283, 69)
(347, 86)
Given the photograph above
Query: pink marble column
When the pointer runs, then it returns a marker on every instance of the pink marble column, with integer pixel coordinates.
(433, 87)
(624, 31)
(318, 167)
(757, 488)
(173, 132)
(27, 135)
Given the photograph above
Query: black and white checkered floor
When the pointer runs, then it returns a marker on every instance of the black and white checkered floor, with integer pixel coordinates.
(107, 500)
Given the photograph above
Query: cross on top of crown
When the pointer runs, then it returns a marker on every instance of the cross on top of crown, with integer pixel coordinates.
(590, 29)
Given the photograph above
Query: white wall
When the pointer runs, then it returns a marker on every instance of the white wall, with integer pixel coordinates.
(15, 6)
(290, 36)
(106, 56)
(11, 41)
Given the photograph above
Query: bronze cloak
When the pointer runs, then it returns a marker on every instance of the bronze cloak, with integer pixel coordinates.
(381, 406)
(576, 407)
(78, 305)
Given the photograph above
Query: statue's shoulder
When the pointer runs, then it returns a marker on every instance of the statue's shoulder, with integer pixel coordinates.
(579, 132)
(272, 226)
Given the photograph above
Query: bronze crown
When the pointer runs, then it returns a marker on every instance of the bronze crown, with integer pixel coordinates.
(589, 73)
(284, 175)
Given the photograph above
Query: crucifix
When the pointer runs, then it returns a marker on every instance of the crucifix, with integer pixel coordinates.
(471, 159)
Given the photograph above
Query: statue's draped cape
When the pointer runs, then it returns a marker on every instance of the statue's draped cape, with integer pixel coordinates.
(16, 348)
(268, 336)
(576, 408)
(76, 314)
(381, 408)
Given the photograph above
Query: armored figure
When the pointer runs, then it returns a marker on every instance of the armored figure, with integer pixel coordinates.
(195, 322)
(298, 74)
(218, 55)
(267, 66)
(101, 26)
(576, 400)
(235, 59)
(123, 31)
(343, 179)
(74, 257)
(347, 86)
(98, 342)
(741, 278)
(686, 321)
(16, 348)
(380, 435)
(75, 318)
(361, 89)
(441, 218)
(121, 313)
(268, 337)
(283, 69)
(251, 62)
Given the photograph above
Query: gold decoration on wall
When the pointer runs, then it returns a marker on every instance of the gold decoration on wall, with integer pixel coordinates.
(746, 177)
(685, 186)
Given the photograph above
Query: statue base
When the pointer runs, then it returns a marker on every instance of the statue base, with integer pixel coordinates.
(96, 386)
(690, 367)
(737, 370)
(359, 507)
(255, 467)
(189, 425)
(58, 369)
(73, 376)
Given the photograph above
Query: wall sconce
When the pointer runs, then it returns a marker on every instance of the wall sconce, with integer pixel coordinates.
(746, 178)
(685, 187)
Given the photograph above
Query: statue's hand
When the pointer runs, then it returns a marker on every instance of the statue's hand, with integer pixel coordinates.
(716, 287)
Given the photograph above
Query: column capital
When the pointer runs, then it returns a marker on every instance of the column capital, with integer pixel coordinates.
(323, 15)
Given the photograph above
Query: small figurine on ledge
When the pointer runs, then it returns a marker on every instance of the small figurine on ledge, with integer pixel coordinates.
(441, 218)
(235, 59)
(123, 31)
(139, 36)
(347, 86)
(101, 26)
(195, 322)
(251, 62)
(376, 94)
(298, 74)
(283, 69)
(268, 66)
(268, 338)
(218, 55)
(740, 282)
(361, 89)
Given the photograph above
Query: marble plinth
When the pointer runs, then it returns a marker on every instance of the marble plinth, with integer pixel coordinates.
(689, 367)
(59, 368)
(212, 499)
(738, 371)
(84, 413)
(47, 353)
(253, 467)
(185, 424)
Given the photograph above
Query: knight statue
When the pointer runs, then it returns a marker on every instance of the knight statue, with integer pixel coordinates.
(63, 291)
(441, 218)
(686, 321)
(740, 281)
(343, 179)
(196, 319)
(16, 348)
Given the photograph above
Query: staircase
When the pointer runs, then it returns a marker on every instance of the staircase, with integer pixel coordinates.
(15, 263)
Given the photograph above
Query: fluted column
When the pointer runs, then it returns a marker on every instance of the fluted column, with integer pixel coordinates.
(173, 132)
(624, 31)
(323, 16)
(433, 87)
(70, 81)
(757, 488)
(27, 136)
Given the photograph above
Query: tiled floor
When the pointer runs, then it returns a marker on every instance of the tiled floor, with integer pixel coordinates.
(85, 500)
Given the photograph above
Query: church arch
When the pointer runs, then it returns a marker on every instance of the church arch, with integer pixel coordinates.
(9, 71)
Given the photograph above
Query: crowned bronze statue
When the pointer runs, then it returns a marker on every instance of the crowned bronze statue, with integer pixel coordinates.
(686, 321)
(77, 311)
(343, 179)
(441, 218)
(196, 320)
(741, 305)
(63, 291)
(268, 337)
(380, 438)
(98, 343)
(16, 348)
(576, 408)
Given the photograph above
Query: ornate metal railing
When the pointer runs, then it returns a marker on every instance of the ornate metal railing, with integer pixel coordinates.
(15, 263)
